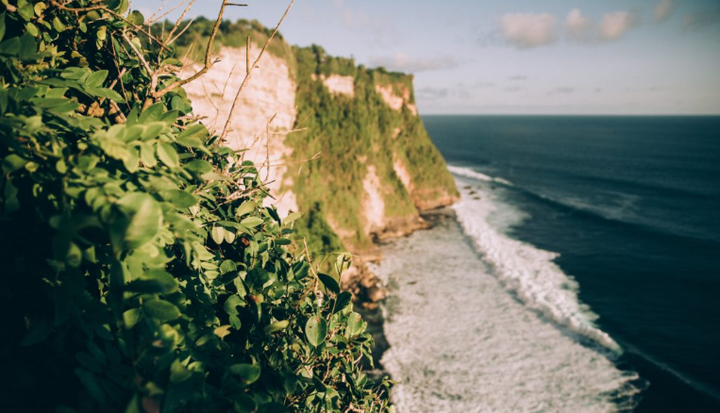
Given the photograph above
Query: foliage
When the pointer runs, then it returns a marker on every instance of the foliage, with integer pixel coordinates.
(140, 270)
(354, 133)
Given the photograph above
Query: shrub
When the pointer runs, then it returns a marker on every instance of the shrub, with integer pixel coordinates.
(141, 271)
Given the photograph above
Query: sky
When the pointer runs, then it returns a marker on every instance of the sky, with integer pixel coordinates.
(623, 57)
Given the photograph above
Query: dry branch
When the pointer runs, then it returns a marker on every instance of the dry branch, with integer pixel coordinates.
(226, 128)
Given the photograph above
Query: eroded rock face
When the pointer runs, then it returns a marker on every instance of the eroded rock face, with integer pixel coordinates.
(340, 85)
(394, 100)
(373, 204)
(265, 112)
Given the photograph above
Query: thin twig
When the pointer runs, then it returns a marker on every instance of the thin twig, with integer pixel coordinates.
(177, 23)
(225, 131)
(138, 54)
(187, 26)
(267, 146)
(208, 54)
(155, 17)
(247, 57)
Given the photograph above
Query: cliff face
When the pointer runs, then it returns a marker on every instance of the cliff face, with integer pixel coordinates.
(342, 143)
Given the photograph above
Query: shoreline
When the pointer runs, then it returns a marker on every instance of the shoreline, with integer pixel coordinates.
(372, 311)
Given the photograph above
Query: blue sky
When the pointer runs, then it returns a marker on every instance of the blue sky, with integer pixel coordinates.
(518, 57)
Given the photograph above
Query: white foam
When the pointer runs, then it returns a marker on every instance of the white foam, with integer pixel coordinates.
(469, 173)
(460, 343)
(527, 271)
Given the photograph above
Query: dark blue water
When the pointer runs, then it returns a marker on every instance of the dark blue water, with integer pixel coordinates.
(632, 205)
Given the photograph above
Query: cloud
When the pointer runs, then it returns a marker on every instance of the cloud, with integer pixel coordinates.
(517, 78)
(564, 89)
(614, 25)
(700, 20)
(579, 27)
(512, 89)
(663, 10)
(378, 29)
(528, 30)
(404, 63)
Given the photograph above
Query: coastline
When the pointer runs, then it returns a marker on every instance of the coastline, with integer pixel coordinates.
(372, 310)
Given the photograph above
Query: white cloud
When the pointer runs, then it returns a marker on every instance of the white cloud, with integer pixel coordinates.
(527, 30)
(578, 26)
(663, 9)
(378, 29)
(405, 63)
(614, 25)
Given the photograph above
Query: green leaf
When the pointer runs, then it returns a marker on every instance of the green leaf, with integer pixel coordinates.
(178, 372)
(58, 25)
(329, 282)
(147, 154)
(131, 317)
(199, 166)
(316, 330)
(292, 217)
(153, 113)
(161, 310)
(251, 222)
(96, 79)
(342, 301)
(232, 303)
(168, 155)
(90, 381)
(222, 331)
(106, 93)
(276, 326)
(12, 163)
(218, 234)
(248, 373)
(136, 18)
(194, 136)
(179, 199)
(154, 281)
(245, 404)
(141, 222)
(245, 208)
(2, 25)
(355, 325)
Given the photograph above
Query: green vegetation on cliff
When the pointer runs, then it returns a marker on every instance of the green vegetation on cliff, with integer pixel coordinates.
(352, 134)
(140, 271)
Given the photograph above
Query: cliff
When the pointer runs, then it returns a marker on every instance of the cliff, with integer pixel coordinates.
(340, 142)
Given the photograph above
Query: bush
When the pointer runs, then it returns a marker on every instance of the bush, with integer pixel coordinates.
(141, 271)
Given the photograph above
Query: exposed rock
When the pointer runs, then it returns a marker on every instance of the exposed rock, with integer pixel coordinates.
(393, 100)
(340, 85)
(373, 205)
(270, 94)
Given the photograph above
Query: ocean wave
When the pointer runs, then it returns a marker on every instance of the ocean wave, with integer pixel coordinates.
(460, 343)
(469, 173)
(623, 215)
(527, 271)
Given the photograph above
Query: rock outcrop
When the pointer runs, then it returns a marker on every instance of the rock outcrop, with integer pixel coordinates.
(360, 158)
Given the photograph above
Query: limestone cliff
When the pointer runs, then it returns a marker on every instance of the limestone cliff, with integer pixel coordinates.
(342, 143)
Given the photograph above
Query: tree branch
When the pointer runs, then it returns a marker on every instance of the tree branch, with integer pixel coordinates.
(226, 129)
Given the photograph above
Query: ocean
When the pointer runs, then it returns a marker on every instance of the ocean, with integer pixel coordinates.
(580, 272)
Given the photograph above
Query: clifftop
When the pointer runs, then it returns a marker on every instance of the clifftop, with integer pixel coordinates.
(340, 142)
